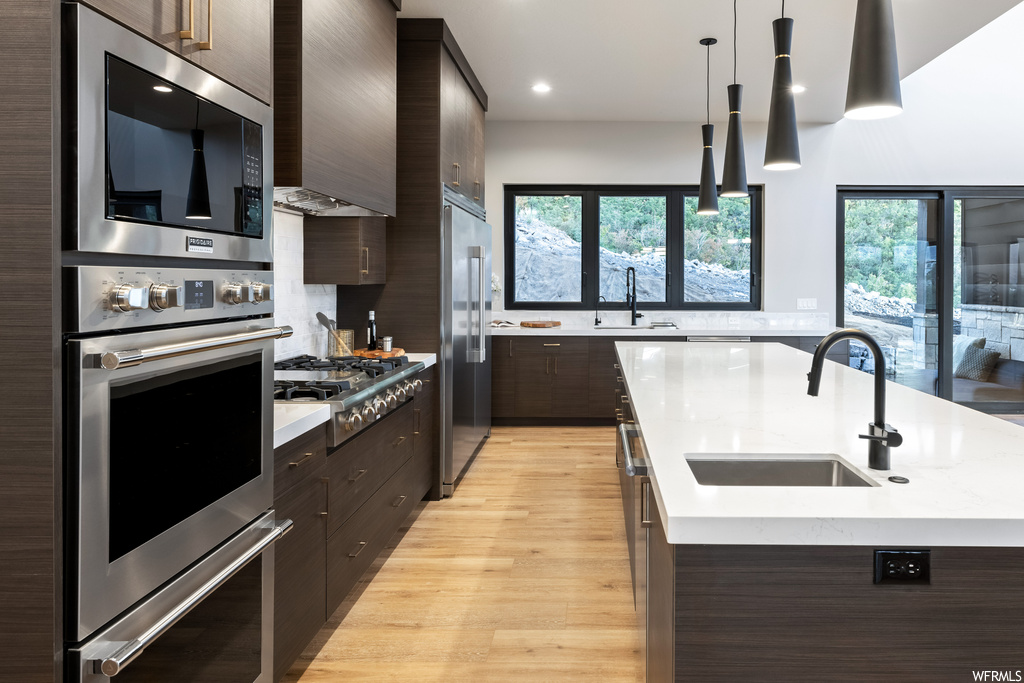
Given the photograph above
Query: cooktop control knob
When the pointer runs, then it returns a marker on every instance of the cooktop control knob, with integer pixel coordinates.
(130, 298)
(239, 294)
(417, 385)
(368, 413)
(261, 291)
(400, 394)
(354, 421)
(391, 400)
(379, 406)
(162, 297)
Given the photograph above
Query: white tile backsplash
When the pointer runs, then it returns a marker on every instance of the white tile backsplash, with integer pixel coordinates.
(297, 303)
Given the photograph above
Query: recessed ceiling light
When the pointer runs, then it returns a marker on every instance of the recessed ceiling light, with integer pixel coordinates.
(161, 88)
(798, 88)
(542, 87)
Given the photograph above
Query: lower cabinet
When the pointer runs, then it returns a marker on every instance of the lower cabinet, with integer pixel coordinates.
(300, 494)
(345, 506)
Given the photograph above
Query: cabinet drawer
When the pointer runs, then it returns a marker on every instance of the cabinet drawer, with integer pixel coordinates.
(358, 468)
(300, 460)
(354, 546)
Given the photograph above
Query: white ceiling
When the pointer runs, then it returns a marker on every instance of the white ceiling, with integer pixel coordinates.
(640, 60)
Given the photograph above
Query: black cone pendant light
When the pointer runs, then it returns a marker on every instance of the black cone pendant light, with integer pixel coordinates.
(707, 197)
(873, 91)
(782, 151)
(197, 204)
(734, 175)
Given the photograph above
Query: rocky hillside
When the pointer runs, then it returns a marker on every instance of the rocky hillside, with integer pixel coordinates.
(548, 269)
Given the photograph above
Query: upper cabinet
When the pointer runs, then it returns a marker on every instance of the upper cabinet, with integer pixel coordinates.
(458, 105)
(462, 133)
(229, 38)
(335, 100)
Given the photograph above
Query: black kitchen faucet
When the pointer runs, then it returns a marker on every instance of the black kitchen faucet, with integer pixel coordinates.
(631, 295)
(882, 436)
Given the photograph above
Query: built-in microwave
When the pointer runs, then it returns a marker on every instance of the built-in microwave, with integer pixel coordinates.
(165, 159)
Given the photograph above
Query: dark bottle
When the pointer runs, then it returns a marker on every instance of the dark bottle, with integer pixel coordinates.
(371, 333)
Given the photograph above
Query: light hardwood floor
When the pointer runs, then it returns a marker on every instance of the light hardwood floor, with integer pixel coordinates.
(523, 575)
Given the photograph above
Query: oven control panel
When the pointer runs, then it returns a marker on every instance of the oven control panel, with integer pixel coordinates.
(111, 298)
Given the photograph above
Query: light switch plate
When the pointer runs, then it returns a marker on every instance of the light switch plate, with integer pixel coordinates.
(806, 304)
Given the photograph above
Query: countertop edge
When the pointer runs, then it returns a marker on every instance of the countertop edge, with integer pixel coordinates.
(660, 332)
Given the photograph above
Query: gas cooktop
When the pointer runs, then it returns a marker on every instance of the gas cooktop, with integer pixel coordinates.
(358, 390)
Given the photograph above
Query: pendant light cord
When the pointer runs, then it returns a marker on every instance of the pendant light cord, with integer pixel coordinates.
(783, 9)
(708, 98)
(734, 22)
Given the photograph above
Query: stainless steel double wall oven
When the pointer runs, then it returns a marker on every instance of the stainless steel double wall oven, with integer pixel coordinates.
(168, 299)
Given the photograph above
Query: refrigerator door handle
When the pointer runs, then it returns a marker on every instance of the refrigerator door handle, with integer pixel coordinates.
(477, 355)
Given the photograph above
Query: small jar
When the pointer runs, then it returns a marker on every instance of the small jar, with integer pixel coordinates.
(384, 344)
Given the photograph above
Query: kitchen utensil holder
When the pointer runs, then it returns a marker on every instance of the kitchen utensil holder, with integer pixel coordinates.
(339, 342)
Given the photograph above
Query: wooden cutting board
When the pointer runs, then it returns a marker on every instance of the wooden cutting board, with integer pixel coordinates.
(375, 353)
(540, 323)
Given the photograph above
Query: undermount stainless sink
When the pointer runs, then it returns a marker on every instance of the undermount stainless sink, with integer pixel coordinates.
(774, 469)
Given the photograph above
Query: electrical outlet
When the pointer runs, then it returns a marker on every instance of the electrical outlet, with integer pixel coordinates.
(807, 304)
(901, 566)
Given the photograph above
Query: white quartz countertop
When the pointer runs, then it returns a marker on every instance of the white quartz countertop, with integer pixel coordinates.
(626, 331)
(966, 469)
(294, 419)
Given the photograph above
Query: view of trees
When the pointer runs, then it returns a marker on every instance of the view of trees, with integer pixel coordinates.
(723, 239)
(631, 224)
(881, 245)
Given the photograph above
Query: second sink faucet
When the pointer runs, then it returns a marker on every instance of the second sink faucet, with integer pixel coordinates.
(882, 436)
(631, 295)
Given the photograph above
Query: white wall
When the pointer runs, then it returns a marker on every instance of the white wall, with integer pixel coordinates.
(297, 303)
(960, 126)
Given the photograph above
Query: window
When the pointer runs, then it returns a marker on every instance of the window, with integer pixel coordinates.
(568, 246)
(937, 277)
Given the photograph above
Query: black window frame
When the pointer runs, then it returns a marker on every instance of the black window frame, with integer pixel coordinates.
(674, 247)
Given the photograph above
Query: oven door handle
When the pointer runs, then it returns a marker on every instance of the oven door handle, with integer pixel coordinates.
(112, 360)
(115, 662)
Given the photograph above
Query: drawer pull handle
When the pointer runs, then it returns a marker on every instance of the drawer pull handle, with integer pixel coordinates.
(398, 502)
(398, 442)
(366, 257)
(357, 475)
(305, 458)
(355, 553)
(327, 496)
(552, 345)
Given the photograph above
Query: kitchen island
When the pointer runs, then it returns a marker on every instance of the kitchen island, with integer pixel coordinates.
(778, 582)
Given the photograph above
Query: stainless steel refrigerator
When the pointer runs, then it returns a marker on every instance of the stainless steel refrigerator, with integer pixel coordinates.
(466, 335)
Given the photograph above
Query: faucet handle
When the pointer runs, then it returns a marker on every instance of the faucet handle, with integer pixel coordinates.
(639, 315)
(887, 436)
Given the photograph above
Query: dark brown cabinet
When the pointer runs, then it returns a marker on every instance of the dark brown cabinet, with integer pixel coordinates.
(540, 377)
(344, 250)
(425, 442)
(503, 378)
(229, 38)
(376, 480)
(462, 133)
(335, 100)
(300, 494)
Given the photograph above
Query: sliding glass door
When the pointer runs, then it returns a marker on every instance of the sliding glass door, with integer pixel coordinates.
(889, 284)
(936, 277)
